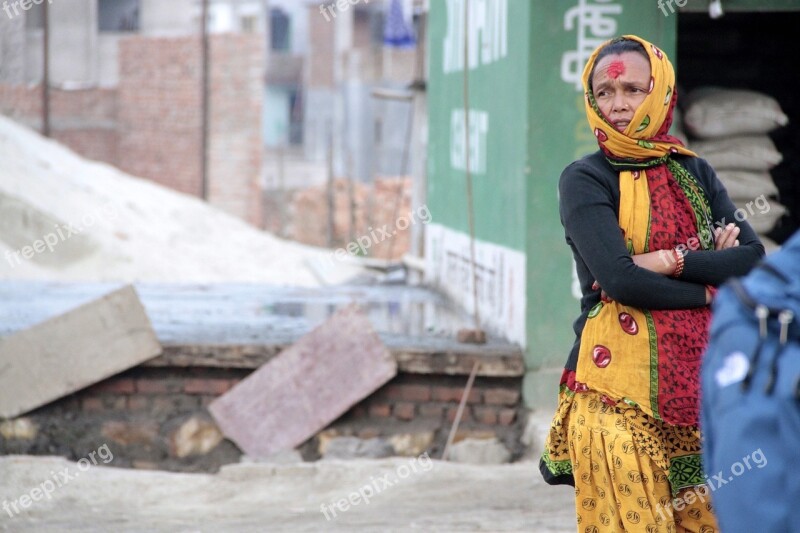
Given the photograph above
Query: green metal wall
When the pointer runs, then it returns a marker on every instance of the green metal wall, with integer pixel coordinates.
(497, 87)
(536, 126)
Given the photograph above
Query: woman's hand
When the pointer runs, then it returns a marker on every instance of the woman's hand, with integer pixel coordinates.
(726, 237)
(603, 296)
(660, 262)
(664, 261)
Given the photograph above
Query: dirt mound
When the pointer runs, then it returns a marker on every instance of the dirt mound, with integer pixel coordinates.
(66, 218)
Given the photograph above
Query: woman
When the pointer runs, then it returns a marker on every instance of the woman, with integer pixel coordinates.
(648, 225)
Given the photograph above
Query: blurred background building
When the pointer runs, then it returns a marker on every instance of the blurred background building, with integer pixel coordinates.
(319, 121)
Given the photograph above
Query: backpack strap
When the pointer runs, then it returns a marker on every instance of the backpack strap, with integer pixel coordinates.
(763, 312)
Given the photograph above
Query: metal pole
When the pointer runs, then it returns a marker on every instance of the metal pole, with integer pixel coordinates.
(46, 73)
(467, 170)
(282, 195)
(330, 192)
(351, 198)
(460, 410)
(204, 103)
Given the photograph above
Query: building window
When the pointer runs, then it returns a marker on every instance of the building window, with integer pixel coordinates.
(279, 25)
(118, 15)
(249, 23)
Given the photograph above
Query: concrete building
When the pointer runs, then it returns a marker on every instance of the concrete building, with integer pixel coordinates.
(125, 81)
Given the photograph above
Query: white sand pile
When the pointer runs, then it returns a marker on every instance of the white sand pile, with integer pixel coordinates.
(66, 218)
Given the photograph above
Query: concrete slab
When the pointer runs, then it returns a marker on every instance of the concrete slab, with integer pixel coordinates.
(74, 350)
(306, 387)
(244, 325)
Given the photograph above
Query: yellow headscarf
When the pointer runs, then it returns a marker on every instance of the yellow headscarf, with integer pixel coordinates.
(645, 137)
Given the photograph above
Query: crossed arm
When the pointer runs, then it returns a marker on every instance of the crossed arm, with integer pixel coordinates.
(664, 262)
(589, 217)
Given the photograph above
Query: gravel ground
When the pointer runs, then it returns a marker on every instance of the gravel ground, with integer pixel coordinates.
(399, 494)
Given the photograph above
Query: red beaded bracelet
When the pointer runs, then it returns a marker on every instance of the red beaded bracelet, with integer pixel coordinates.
(679, 262)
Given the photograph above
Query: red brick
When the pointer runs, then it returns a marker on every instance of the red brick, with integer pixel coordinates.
(404, 410)
(119, 404)
(128, 433)
(486, 415)
(465, 416)
(138, 403)
(92, 404)
(175, 402)
(431, 410)
(206, 386)
(506, 416)
(152, 386)
(453, 394)
(163, 403)
(499, 396)
(380, 410)
(359, 411)
(410, 393)
(368, 433)
(116, 386)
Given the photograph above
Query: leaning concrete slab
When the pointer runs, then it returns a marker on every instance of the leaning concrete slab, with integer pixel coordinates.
(74, 350)
(305, 387)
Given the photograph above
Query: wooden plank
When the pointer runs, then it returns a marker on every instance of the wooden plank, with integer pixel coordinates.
(306, 387)
(74, 350)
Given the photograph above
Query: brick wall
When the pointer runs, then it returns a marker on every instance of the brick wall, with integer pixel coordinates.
(492, 401)
(22, 103)
(149, 125)
(306, 215)
(159, 111)
(156, 417)
(160, 117)
(85, 120)
(236, 146)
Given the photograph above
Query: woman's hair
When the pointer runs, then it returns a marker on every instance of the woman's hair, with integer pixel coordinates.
(620, 45)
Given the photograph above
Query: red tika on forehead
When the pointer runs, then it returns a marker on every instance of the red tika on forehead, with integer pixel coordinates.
(616, 69)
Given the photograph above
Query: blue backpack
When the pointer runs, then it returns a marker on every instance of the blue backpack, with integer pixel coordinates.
(751, 397)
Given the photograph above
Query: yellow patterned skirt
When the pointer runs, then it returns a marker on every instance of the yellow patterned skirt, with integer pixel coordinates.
(631, 471)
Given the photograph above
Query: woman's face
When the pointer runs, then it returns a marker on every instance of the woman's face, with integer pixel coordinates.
(620, 85)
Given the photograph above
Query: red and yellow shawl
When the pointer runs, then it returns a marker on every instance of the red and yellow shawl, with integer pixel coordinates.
(650, 358)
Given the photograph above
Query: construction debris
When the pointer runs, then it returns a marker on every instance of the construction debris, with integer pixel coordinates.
(74, 350)
(307, 386)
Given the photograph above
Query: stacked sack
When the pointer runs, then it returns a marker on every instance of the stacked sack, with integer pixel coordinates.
(729, 129)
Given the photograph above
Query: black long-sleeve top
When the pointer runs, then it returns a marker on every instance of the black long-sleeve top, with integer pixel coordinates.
(589, 208)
